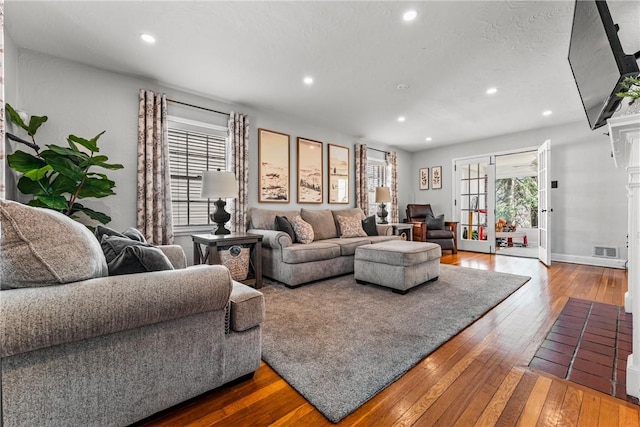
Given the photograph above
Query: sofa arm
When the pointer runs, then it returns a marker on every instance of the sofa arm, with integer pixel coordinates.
(33, 318)
(176, 255)
(272, 238)
(384, 229)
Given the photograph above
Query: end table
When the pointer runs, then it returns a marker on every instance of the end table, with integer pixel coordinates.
(210, 243)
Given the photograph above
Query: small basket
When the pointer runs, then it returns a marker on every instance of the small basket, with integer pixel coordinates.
(236, 259)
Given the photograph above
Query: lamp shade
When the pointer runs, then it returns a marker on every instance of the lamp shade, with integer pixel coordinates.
(217, 184)
(383, 194)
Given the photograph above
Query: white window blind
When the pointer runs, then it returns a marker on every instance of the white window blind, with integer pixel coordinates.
(191, 152)
(376, 177)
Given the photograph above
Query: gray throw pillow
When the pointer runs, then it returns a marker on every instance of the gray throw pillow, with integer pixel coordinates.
(126, 256)
(369, 225)
(131, 233)
(435, 223)
(283, 224)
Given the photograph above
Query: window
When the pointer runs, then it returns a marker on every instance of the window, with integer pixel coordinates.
(193, 147)
(376, 177)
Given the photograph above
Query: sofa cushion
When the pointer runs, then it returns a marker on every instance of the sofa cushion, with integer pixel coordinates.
(42, 247)
(348, 245)
(264, 219)
(435, 222)
(324, 226)
(351, 226)
(369, 225)
(439, 234)
(304, 230)
(247, 307)
(316, 251)
(283, 224)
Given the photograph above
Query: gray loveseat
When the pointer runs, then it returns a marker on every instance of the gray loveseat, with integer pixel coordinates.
(81, 349)
(328, 255)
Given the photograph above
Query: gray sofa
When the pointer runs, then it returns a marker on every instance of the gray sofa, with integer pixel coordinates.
(109, 351)
(328, 255)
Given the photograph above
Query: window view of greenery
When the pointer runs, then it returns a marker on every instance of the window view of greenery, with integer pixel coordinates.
(517, 201)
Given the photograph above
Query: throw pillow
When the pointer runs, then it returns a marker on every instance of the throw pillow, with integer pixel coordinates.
(42, 247)
(127, 256)
(131, 233)
(351, 226)
(283, 224)
(324, 227)
(303, 230)
(369, 225)
(435, 223)
(346, 212)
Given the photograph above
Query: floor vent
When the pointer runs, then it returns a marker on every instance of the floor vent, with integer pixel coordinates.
(605, 252)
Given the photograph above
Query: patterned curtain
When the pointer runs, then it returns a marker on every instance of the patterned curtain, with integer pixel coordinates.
(392, 162)
(2, 195)
(239, 143)
(154, 216)
(362, 192)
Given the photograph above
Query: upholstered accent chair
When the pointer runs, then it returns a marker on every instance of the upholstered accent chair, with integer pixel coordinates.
(429, 228)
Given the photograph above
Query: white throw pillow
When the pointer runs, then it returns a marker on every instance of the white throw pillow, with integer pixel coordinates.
(351, 226)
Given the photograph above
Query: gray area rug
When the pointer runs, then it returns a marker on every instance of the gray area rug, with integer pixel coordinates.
(339, 343)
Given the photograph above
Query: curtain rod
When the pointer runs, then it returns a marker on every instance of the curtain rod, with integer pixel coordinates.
(196, 106)
(381, 151)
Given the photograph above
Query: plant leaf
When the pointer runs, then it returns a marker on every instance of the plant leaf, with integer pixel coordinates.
(89, 144)
(63, 151)
(58, 203)
(29, 186)
(38, 174)
(15, 117)
(111, 166)
(62, 184)
(34, 124)
(95, 215)
(24, 162)
(94, 187)
(63, 165)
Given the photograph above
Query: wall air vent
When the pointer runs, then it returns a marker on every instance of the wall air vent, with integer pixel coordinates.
(605, 252)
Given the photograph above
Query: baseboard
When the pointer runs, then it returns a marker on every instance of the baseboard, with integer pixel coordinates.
(589, 260)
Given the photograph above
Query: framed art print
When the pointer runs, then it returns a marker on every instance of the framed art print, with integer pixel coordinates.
(338, 174)
(424, 178)
(310, 175)
(273, 166)
(436, 177)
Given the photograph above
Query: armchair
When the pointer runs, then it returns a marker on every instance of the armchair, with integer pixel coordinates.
(446, 237)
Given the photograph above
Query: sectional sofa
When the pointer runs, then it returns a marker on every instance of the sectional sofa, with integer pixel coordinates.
(327, 255)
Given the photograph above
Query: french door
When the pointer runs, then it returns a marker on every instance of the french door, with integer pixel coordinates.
(544, 182)
(475, 204)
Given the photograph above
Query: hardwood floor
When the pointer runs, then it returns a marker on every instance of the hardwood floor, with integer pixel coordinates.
(480, 377)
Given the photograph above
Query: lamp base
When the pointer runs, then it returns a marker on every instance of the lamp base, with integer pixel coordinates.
(220, 217)
(382, 214)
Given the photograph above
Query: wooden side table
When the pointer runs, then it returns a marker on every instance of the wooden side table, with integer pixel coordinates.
(206, 245)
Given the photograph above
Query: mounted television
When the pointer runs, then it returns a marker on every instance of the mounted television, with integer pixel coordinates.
(597, 60)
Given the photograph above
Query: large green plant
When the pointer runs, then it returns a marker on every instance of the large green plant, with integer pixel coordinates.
(59, 176)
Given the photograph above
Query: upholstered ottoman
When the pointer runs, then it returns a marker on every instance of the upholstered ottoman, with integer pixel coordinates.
(397, 264)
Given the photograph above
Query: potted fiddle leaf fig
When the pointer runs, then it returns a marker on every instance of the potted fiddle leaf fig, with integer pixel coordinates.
(630, 89)
(57, 177)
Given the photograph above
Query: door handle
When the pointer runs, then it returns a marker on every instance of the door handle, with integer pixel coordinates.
(544, 210)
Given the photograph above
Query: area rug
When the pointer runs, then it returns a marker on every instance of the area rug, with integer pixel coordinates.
(339, 343)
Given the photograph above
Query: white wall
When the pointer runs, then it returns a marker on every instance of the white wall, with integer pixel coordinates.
(589, 205)
(84, 101)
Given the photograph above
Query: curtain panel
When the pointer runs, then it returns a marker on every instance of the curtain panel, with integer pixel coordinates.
(154, 214)
(239, 145)
(392, 161)
(2, 124)
(362, 190)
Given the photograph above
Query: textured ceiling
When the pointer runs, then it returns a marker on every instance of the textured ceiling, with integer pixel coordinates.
(256, 54)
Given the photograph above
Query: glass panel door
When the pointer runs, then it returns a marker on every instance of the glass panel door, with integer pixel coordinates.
(475, 203)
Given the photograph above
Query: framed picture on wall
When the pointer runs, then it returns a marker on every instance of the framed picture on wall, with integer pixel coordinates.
(338, 173)
(273, 167)
(424, 178)
(310, 174)
(436, 177)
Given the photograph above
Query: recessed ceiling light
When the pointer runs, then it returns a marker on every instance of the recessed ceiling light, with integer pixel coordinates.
(492, 90)
(428, 139)
(410, 15)
(308, 80)
(148, 38)
(403, 86)
(401, 119)
(547, 113)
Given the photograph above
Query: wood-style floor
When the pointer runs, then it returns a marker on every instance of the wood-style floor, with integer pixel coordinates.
(480, 377)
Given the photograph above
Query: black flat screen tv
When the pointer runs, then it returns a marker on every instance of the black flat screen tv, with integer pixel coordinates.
(597, 60)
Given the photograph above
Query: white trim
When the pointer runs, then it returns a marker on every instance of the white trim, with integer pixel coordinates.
(204, 125)
(588, 260)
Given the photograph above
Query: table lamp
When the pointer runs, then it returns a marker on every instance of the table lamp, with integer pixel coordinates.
(220, 185)
(383, 195)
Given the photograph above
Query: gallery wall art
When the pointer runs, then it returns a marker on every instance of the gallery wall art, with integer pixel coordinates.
(310, 171)
(273, 166)
(338, 173)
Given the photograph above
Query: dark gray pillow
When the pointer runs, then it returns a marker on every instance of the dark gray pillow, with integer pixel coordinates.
(283, 224)
(369, 225)
(435, 223)
(131, 233)
(139, 258)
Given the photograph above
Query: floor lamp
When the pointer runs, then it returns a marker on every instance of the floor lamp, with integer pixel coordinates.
(220, 185)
